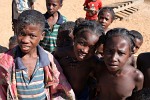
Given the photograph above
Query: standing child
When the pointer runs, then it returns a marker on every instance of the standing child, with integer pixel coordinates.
(116, 79)
(53, 20)
(78, 61)
(92, 7)
(28, 71)
(106, 16)
(138, 40)
(18, 6)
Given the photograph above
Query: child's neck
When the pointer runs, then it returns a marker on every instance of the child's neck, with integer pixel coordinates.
(53, 15)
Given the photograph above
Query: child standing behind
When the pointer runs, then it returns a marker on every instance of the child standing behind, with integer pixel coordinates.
(78, 61)
(28, 71)
(116, 78)
(92, 7)
(53, 20)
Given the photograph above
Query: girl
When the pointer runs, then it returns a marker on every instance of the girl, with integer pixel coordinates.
(116, 79)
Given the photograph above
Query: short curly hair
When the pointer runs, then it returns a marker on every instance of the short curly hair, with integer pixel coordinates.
(28, 17)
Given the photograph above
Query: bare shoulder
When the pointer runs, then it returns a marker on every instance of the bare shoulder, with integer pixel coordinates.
(138, 75)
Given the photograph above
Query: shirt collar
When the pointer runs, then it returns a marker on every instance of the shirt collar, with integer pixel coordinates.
(60, 18)
(43, 58)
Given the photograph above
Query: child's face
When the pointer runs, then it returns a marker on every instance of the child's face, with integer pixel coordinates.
(53, 6)
(138, 44)
(105, 19)
(116, 53)
(29, 37)
(84, 45)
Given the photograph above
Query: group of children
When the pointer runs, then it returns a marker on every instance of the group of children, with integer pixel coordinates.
(65, 60)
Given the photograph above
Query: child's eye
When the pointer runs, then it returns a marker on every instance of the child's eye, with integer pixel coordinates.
(22, 34)
(81, 43)
(121, 53)
(32, 36)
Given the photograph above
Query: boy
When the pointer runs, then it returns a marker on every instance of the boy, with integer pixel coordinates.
(53, 20)
(78, 61)
(92, 7)
(28, 71)
(116, 78)
(18, 6)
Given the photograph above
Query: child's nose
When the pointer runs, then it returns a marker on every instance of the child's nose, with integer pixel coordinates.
(25, 39)
(114, 57)
(85, 49)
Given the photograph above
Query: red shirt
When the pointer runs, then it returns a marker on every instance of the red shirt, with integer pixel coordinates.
(93, 6)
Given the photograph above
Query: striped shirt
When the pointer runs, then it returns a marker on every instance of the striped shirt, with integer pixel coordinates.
(49, 41)
(32, 88)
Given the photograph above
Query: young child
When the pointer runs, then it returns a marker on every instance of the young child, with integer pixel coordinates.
(116, 79)
(65, 34)
(106, 16)
(53, 20)
(13, 42)
(78, 61)
(18, 6)
(28, 71)
(92, 7)
(138, 41)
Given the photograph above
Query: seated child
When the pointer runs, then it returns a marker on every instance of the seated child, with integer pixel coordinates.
(78, 61)
(29, 72)
(106, 16)
(65, 34)
(92, 7)
(13, 42)
(116, 79)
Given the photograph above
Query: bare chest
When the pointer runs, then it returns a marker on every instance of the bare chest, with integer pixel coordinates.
(117, 87)
(30, 64)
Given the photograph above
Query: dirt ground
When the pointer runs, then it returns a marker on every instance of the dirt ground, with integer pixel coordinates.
(73, 9)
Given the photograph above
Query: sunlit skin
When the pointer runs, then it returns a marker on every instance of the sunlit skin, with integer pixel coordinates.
(84, 45)
(116, 53)
(105, 19)
(28, 38)
(78, 61)
(116, 79)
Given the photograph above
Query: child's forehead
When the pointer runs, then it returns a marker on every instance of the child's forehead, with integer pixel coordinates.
(55, 1)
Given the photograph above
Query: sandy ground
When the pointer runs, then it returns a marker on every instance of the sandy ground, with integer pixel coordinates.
(73, 9)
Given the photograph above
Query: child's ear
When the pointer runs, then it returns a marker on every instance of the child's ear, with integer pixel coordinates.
(43, 34)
